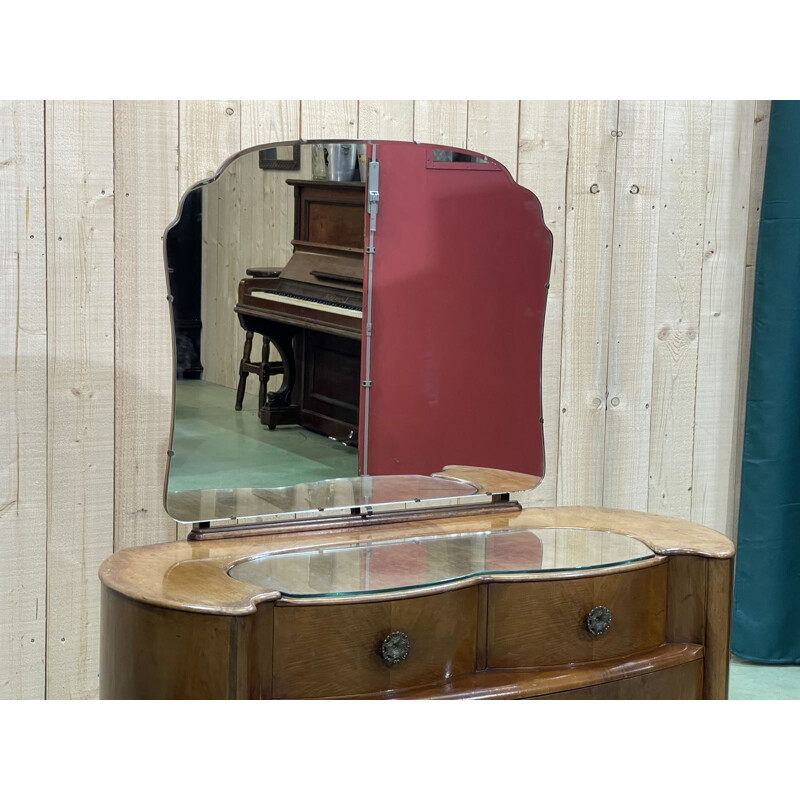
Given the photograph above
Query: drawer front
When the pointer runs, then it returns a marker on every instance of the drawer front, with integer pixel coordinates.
(330, 651)
(684, 682)
(542, 623)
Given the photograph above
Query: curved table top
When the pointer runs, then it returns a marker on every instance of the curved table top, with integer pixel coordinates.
(193, 575)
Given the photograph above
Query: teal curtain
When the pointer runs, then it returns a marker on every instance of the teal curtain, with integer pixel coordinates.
(766, 615)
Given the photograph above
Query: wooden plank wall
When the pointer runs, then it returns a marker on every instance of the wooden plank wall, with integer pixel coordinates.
(654, 211)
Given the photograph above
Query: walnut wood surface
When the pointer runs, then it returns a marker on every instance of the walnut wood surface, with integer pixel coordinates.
(521, 684)
(174, 624)
(718, 629)
(676, 683)
(335, 650)
(193, 575)
(544, 622)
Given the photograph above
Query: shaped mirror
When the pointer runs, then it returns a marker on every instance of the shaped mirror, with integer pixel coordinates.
(350, 318)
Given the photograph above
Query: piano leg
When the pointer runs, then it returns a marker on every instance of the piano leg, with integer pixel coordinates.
(279, 408)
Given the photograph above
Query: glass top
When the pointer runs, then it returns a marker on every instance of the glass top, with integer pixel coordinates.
(413, 563)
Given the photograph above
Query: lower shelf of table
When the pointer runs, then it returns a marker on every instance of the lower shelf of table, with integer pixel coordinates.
(668, 672)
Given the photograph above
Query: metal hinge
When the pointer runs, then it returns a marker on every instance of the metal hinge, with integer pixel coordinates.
(373, 194)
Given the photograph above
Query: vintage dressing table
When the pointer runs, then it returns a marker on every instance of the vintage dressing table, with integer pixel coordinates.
(416, 339)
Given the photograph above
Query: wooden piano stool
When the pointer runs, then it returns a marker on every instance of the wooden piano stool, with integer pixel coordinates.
(265, 369)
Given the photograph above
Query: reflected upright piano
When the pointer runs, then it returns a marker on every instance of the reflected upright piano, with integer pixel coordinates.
(311, 311)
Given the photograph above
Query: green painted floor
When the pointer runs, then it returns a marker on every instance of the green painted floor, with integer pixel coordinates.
(763, 681)
(217, 447)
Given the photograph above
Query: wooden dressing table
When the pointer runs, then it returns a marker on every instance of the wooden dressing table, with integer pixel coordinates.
(504, 613)
(416, 580)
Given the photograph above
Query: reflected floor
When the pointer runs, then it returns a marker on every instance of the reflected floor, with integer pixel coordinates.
(218, 447)
(750, 681)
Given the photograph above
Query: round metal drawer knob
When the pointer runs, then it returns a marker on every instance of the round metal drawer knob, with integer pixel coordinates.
(599, 621)
(395, 647)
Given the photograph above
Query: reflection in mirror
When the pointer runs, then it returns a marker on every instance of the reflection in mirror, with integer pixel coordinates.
(317, 340)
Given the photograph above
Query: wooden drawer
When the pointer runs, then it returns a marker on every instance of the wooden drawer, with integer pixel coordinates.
(330, 651)
(542, 623)
(676, 683)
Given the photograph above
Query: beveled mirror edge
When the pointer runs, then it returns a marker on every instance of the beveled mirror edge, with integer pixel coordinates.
(492, 496)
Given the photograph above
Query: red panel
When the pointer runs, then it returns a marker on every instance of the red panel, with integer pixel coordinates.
(459, 289)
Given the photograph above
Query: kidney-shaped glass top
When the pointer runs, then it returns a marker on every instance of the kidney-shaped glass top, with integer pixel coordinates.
(415, 563)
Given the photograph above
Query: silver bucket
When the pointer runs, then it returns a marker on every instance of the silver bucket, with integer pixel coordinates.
(340, 162)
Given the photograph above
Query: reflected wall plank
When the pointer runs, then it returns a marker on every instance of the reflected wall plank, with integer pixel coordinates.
(386, 119)
(145, 199)
(80, 323)
(329, 119)
(634, 263)
(726, 227)
(23, 398)
(493, 129)
(587, 283)
(684, 167)
(543, 154)
(441, 122)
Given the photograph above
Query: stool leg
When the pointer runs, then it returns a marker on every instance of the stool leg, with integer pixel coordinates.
(263, 374)
(248, 346)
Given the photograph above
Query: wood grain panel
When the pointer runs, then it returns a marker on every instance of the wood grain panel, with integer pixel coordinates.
(636, 599)
(543, 156)
(686, 599)
(210, 131)
(718, 361)
(329, 119)
(587, 284)
(23, 398)
(153, 653)
(718, 629)
(632, 302)
(493, 129)
(265, 121)
(80, 322)
(684, 682)
(335, 650)
(386, 119)
(441, 122)
(684, 165)
(145, 199)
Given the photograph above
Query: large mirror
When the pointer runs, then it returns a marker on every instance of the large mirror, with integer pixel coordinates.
(349, 319)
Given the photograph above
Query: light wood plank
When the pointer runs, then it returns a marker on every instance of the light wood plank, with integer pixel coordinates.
(266, 121)
(684, 167)
(80, 322)
(441, 122)
(543, 155)
(587, 283)
(726, 226)
(329, 119)
(210, 132)
(493, 129)
(23, 398)
(633, 297)
(386, 119)
(757, 170)
(145, 201)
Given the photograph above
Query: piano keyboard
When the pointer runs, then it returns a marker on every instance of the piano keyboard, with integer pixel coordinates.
(337, 308)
